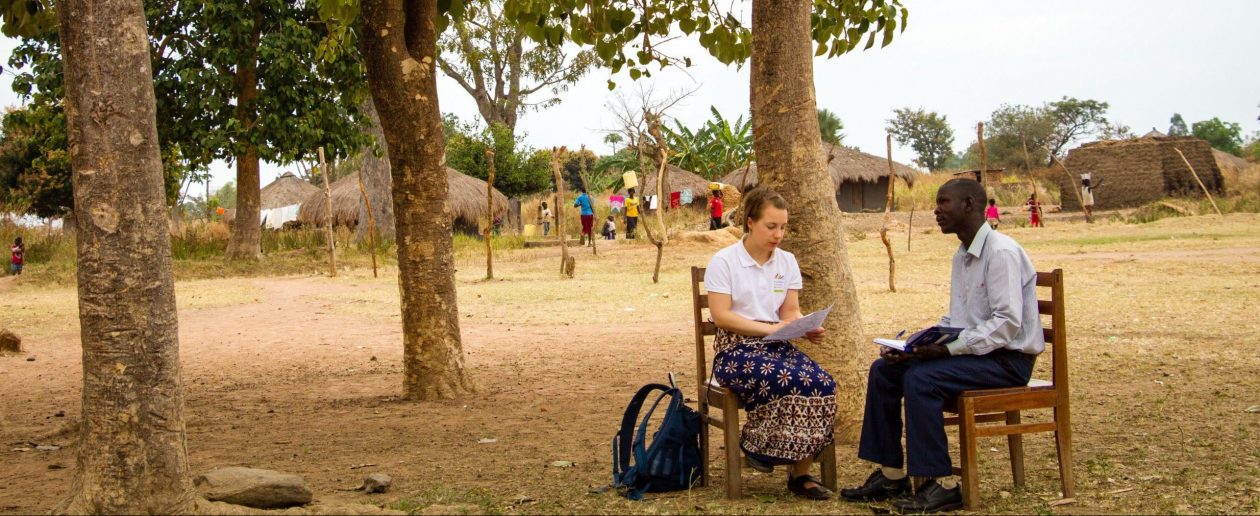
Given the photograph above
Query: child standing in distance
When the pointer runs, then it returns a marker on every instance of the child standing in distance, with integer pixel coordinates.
(610, 229)
(546, 219)
(1034, 211)
(991, 214)
(18, 257)
(715, 207)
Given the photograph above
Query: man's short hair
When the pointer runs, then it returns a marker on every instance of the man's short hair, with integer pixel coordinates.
(968, 188)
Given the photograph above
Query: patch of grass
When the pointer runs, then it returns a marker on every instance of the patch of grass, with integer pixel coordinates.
(482, 500)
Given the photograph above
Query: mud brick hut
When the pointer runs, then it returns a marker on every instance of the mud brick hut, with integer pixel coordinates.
(860, 179)
(466, 197)
(1139, 171)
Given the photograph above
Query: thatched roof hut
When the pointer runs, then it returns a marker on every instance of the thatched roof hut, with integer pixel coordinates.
(467, 198)
(860, 179)
(677, 180)
(466, 195)
(1140, 170)
(286, 190)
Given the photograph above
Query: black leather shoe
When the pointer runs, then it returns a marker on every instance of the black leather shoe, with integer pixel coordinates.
(931, 497)
(876, 488)
(797, 486)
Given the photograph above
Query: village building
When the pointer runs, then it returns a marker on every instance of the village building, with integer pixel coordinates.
(860, 180)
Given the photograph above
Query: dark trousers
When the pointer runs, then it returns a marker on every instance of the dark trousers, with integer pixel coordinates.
(926, 386)
(631, 223)
(715, 223)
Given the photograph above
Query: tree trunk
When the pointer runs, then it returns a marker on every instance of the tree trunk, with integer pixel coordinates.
(399, 49)
(246, 239)
(374, 172)
(131, 449)
(787, 142)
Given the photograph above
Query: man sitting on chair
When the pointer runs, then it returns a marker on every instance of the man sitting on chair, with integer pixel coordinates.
(993, 295)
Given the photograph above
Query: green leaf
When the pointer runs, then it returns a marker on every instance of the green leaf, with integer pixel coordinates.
(611, 86)
(635, 74)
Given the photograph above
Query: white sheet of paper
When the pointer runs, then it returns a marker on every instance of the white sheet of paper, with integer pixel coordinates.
(798, 328)
(899, 345)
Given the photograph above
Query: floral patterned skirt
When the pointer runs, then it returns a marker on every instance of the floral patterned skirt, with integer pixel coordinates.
(790, 399)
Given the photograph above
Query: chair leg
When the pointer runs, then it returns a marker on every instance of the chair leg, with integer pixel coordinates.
(1063, 442)
(967, 449)
(730, 430)
(704, 446)
(828, 466)
(1015, 443)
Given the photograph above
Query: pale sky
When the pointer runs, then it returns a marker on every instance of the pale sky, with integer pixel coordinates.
(963, 59)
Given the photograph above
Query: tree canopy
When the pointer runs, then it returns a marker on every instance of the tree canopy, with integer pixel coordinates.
(1223, 136)
(830, 125)
(926, 132)
(518, 169)
(490, 57)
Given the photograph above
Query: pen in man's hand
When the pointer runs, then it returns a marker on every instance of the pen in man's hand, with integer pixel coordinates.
(899, 334)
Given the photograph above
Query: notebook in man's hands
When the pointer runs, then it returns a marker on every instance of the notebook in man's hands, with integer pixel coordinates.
(924, 337)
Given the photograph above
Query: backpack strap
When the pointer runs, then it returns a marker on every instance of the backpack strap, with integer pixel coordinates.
(624, 438)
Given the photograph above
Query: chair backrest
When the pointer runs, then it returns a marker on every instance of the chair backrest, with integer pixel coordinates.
(704, 328)
(1056, 333)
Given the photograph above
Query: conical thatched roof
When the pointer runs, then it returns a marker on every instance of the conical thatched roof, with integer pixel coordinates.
(286, 190)
(467, 198)
(845, 165)
(677, 180)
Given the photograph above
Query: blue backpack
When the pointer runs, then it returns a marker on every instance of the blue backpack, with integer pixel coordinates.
(672, 461)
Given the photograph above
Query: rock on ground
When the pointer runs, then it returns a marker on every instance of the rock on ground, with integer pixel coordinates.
(259, 488)
(377, 483)
(10, 342)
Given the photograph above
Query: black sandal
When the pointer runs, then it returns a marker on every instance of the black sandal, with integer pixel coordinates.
(797, 486)
(759, 465)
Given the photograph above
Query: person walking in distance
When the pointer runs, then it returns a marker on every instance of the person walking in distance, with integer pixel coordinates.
(632, 214)
(587, 211)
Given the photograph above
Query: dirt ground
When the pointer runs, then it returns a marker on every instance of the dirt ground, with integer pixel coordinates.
(301, 374)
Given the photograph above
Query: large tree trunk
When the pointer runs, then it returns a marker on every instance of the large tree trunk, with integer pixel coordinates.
(375, 174)
(790, 160)
(399, 46)
(246, 240)
(131, 450)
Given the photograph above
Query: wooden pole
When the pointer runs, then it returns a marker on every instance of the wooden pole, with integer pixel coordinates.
(1197, 180)
(1071, 181)
(984, 168)
(587, 186)
(371, 223)
(1033, 183)
(567, 263)
(910, 228)
(490, 216)
(883, 231)
(332, 255)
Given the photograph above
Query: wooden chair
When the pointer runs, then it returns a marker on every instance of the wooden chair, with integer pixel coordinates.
(1004, 406)
(713, 396)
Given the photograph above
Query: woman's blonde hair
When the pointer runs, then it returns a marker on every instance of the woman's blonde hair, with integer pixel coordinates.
(754, 202)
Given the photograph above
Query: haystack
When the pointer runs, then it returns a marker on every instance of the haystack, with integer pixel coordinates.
(466, 196)
(860, 179)
(1138, 171)
(286, 190)
(676, 180)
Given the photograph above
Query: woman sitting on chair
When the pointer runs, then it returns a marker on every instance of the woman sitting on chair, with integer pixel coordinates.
(753, 287)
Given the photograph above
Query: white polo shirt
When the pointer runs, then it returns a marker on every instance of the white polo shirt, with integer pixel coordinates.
(757, 291)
